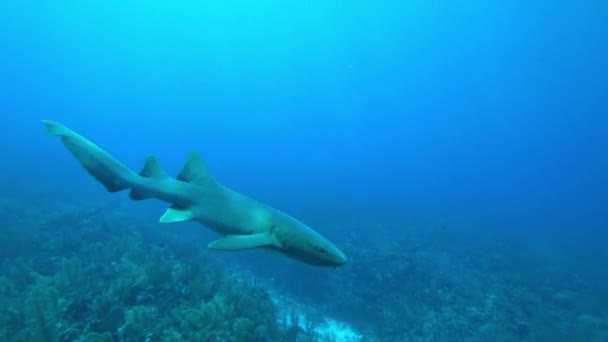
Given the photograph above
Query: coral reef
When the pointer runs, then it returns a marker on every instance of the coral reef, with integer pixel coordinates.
(70, 274)
(424, 280)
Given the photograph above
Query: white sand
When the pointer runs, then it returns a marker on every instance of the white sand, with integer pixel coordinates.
(306, 317)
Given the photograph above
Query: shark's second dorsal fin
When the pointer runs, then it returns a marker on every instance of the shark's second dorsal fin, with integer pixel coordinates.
(195, 170)
(152, 169)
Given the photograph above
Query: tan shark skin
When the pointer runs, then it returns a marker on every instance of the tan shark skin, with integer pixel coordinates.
(195, 195)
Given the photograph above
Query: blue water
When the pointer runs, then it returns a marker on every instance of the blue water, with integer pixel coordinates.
(490, 117)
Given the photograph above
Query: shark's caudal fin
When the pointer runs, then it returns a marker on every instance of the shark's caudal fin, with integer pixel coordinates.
(111, 173)
(55, 128)
(115, 176)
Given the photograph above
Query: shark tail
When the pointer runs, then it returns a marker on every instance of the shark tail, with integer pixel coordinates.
(54, 128)
(111, 173)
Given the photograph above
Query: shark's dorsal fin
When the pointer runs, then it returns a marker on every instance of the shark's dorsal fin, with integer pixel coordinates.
(152, 169)
(175, 214)
(195, 170)
(236, 242)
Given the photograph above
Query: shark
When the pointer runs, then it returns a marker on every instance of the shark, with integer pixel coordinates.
(195, 195)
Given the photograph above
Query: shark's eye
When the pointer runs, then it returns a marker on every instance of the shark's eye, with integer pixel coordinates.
(320, 249)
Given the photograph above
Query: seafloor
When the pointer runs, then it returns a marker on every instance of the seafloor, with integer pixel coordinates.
(76, 271)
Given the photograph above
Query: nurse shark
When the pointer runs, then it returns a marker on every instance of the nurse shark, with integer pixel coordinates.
(194, 195)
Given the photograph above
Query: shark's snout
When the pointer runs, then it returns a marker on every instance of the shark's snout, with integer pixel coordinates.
(341, 258)
(334, 256)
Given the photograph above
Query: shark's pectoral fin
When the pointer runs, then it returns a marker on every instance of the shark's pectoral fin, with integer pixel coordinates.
(175, 214)
(236, 242)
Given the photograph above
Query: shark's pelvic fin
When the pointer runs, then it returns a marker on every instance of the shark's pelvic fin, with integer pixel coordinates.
(175, 214)
(236, 242)
(152, 169)
(195, 170)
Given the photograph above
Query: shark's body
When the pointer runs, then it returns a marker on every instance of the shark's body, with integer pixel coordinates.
(195, 195)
